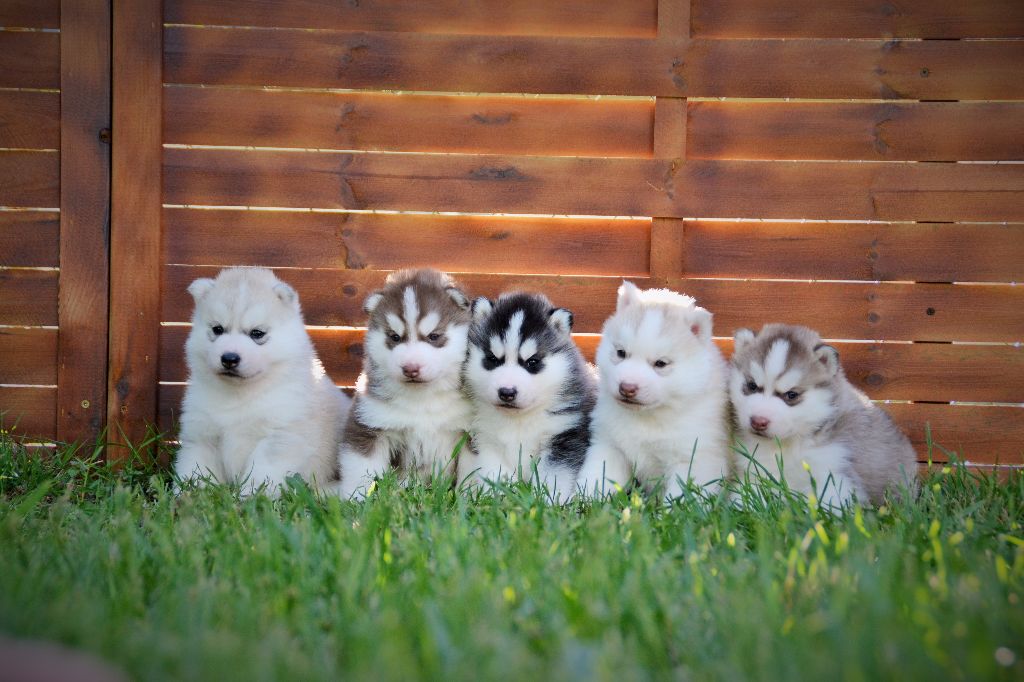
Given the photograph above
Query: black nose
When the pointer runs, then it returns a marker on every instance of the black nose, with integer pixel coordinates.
(230, 360)
(507, 395)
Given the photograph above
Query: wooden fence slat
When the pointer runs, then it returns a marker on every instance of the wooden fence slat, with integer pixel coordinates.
(409, 123)
(28, 297)
(858, 19)
(30, 14)
(614, 66)
(574, 186)
(982, 434)
(501, 17)
(926, 131)
(29, 411)
(135, 228)
(28, 356)
(388, 241)
(29, 179)
(29, 59)
(851, 251)
(30, 120)
(29, 239)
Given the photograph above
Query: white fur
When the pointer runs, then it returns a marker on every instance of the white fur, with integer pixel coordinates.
(282, 415)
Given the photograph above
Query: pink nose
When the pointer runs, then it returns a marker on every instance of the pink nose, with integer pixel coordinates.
(628, 390)
(411, 371)
(759, 424)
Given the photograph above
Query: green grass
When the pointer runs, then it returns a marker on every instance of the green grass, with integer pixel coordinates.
(426, 583)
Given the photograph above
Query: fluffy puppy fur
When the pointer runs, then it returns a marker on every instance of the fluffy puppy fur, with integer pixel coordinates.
(409, 410)
(793, 405)
(532, 394)
(259, 406)
(662, 408)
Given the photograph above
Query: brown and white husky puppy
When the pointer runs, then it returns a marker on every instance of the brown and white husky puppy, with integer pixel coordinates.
(800, 418)
(409, 411)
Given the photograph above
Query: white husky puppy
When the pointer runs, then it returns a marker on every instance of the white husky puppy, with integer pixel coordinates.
(662, 411)
(532, 394)
(259, 406)
(409, 411)
(793, 405)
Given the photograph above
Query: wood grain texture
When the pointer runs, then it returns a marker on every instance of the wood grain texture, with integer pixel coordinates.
(409, 123)
(925, 131)
(135, 221)
(29, 239)
(385, 242)
(28, 297)
(29, 412)
(921, 252)
(29, 59)
(981, 434)
(28, 356)
(30, 120)
(858, 19)
(575, 186)
(489, 17)
(30, 14)
(85, 220)
(29, 179)
(614, 66)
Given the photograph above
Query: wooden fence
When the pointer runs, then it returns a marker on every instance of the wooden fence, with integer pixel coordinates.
(852, 165)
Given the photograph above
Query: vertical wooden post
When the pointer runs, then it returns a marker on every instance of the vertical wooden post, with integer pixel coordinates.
(84, 218)
(669, 143)
(135, 220)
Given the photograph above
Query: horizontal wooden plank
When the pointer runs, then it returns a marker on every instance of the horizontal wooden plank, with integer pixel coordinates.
(982, 434)
(29, 59)
(857, 19)
(29, 412)
(888, 311)
(28, 356)
(30, 179)
(30, 120)
(867, 251)
(410, 123)
(28, 297)
(489, 17)
(817, 69)
(925, 131)
(581, 186)
(30, 14)
(29, 239)
(566, 246)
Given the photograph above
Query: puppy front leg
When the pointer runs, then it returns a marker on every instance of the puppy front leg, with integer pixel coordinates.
(359, 468)
(604, 467)
(197, 461)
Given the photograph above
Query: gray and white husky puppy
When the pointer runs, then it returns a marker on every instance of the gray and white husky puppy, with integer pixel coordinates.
(259, 406)
(532, 394)
(410, 412)
(662, 411)
(793, 404)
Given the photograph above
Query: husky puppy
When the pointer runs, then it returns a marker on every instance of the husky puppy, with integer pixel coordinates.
(794, 405)
(662, 411)
(532, 393)
(259, 406)
(409, 410)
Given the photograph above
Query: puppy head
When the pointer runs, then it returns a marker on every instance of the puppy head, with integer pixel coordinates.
(783, 381)
(655, 349)
(246, 323)
(417, 328)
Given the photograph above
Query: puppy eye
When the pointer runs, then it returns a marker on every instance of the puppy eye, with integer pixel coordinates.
(621, 353)
(394, 337)
(752, 386)
(791, 396)
(490, 357)
(257, 334)
(533, 363)
(433, 336)
(217, 330)
(661, 363)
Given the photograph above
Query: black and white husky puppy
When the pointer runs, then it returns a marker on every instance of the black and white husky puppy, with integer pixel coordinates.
(409, 411)
(532, 394)
(794, 405)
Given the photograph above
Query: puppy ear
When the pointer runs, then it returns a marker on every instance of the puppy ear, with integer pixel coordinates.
(742, 339)
(200, 288)
(827, 356)
(482, 307)
(460, 298)
(561, 320)
(287, 295)
(700, 324)
(629, 294)
(372, 301)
